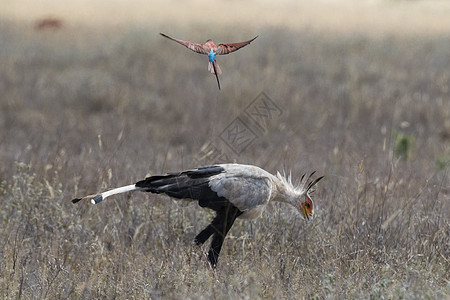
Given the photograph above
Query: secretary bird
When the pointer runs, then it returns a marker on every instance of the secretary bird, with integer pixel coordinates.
(231, 190)
(211, 49)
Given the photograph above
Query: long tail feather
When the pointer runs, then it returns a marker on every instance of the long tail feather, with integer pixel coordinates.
(97, 198)
(210, 67)
(216, 70)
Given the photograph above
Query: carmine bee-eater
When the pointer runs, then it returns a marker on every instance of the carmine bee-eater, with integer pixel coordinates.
(210, 49)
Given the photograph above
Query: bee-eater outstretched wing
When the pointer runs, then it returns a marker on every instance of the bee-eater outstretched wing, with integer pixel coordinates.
(231, 47)
(196, 47)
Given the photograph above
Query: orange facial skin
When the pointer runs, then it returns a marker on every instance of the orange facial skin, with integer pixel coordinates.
(308, 208)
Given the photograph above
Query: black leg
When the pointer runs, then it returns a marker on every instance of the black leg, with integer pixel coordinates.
(216, 225)
(201, 238)
(225, 219)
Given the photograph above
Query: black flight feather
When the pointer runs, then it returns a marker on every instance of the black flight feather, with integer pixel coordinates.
(190, 184)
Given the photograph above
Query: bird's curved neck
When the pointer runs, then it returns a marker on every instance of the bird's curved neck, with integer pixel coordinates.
(282, 192)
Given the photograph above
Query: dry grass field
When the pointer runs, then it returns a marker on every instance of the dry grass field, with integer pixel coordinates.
(85, 107)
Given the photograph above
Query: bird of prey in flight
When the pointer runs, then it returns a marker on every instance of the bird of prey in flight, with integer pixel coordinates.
(211, 49)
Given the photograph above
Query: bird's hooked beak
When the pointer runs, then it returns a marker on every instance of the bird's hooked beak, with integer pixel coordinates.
(305, 214)
(307, 209)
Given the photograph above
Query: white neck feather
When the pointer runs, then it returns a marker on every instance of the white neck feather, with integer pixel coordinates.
(286, 191)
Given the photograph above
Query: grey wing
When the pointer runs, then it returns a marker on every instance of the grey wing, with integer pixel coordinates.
(196, 47)
(243, 192)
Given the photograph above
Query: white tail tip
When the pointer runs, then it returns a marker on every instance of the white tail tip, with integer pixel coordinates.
(97, 199)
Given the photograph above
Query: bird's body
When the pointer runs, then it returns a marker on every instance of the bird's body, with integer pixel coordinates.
(232, 190)
(211, 56)
(211, 49)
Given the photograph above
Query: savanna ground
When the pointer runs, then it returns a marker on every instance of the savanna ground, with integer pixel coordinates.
(85, 107)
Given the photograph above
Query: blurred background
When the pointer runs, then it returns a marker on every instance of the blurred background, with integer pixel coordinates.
(92, 97)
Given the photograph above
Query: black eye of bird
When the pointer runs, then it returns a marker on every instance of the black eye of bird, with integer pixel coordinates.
(307, 205)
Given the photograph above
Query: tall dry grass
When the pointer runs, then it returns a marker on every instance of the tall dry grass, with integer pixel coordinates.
(82, 110)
